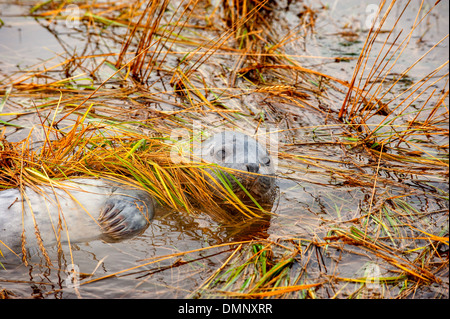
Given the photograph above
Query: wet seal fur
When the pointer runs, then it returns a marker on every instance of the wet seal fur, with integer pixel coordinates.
(84, 209)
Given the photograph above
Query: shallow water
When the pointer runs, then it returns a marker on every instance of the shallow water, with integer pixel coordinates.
(309, 205)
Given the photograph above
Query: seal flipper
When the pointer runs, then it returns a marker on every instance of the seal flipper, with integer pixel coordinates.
(126, 214)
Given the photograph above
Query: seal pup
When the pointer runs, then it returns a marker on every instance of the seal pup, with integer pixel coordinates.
(84, 209)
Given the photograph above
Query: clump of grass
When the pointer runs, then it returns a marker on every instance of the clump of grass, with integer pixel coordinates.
(380, 113)
(251, 272)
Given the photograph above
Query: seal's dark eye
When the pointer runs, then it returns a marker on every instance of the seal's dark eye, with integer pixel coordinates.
(221, 154)
(266, 160)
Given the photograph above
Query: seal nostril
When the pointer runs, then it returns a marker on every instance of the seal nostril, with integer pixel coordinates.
(253, 168)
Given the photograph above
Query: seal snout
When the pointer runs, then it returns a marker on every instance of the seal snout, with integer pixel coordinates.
(252, 167)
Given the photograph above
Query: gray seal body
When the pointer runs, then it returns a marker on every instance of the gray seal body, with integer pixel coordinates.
(84, 209)
(73, 211)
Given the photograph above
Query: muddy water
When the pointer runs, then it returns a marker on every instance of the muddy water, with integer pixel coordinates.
(308, 205)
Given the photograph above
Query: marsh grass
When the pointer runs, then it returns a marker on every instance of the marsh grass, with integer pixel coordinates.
(376, 91)
(118, 125)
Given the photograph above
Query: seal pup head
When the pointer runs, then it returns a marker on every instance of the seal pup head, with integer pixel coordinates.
(249, 161)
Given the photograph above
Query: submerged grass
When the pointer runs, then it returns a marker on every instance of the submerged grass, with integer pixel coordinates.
(181, 61)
